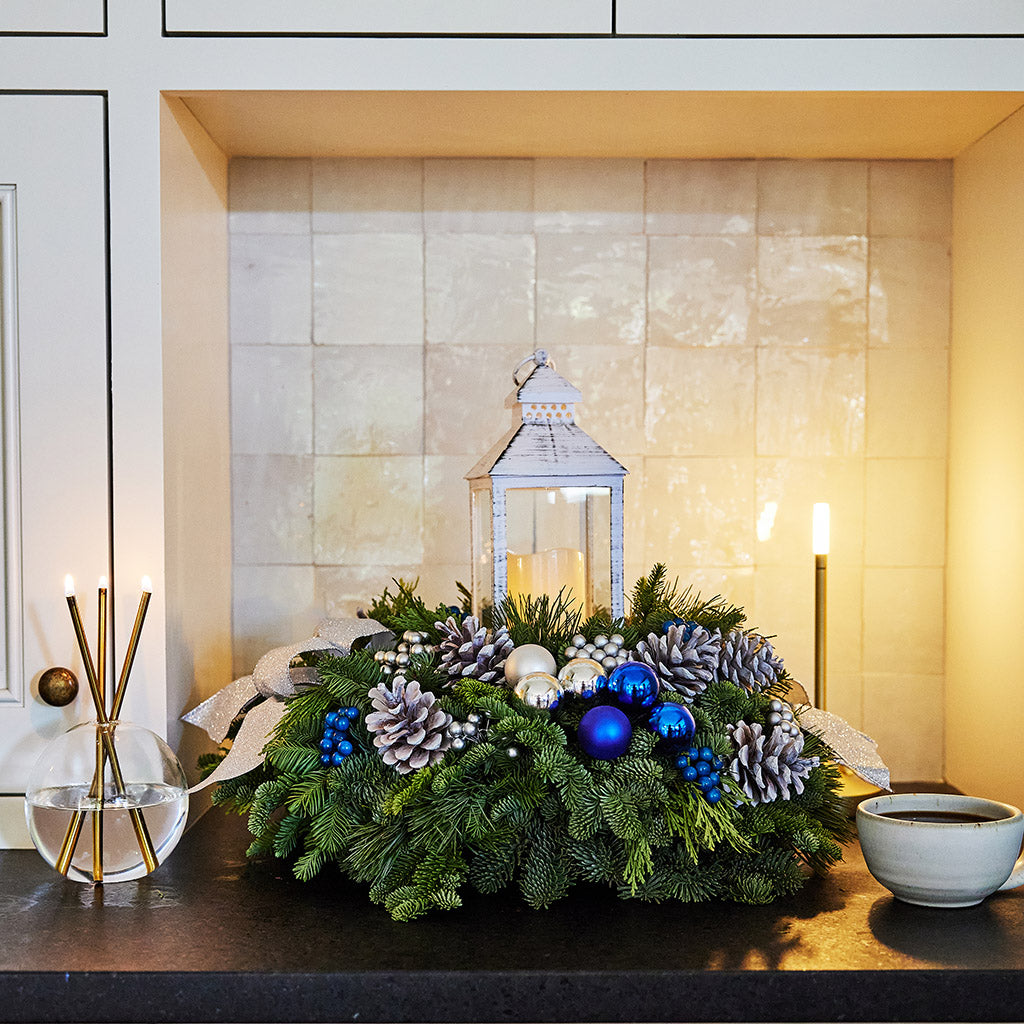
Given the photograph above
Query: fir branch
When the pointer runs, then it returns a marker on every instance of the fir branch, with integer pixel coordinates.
(550, 622)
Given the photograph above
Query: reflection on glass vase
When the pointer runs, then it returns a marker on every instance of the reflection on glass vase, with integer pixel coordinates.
(113, 832)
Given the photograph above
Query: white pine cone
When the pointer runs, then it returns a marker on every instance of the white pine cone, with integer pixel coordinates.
(749, 661)
(768, 766)
(685, 658)
(468, 651)
(408, 729)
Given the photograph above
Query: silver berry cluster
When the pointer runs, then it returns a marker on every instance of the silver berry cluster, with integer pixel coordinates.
(472, 730)
(608, 650)
(396, 662)
(781, 714)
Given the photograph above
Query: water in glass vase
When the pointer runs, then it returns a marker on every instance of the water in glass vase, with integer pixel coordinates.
(51, 811)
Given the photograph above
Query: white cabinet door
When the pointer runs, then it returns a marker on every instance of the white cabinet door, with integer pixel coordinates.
(55, 403)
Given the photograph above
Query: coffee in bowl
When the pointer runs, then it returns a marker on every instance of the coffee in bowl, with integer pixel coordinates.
(941, 849)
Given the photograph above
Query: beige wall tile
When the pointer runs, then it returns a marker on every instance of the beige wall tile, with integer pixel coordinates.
(446, 536)
(904, 512)
(911, 198)
(269, 195)
(701, 197)
(465, 392)
(810, 402)
(812, 197)
(845, 697)
(611, 378)
(734, 585)
(699, 512)
(343, 590)
(272, 605)
(480, 290)
(271, 400)
(366, 194)
(700, 401)
(369, 509)
(909, 296)
(784, 608)
(812, 292)
(478, 195)
(605, 196)
(590, 290)
(271, 282)
(787, 489)
(701, 290)
(908, 402)
(368, 289)
(272, 517)
(903, 625)
(369, 399)
(903, 714)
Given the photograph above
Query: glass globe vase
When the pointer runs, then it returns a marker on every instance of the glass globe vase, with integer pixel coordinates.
(115, 832)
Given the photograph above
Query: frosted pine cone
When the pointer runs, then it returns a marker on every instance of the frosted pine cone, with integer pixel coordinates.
(748, 660)
(768, 766)
(685, 658)
(407, 728)
(468, 651)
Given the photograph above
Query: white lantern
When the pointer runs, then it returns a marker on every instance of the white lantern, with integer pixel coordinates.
(546, 503)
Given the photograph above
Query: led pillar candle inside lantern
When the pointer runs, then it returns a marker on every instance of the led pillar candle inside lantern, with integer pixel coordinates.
(546, 502)
(820, 529)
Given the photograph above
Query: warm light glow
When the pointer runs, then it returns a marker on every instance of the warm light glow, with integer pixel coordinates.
(103, 583)
(546, 572)
(147, 585)
(820, 523)
(766, 520)
(69, 585)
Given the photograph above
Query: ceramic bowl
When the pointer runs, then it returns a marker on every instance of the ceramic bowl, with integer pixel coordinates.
(937, 863)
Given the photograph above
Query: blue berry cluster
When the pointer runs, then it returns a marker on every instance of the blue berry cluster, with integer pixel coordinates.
(700, 765)
(335, 745)
(668, 623)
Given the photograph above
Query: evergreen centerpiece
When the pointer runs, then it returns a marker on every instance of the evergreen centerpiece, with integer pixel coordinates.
(654, 753)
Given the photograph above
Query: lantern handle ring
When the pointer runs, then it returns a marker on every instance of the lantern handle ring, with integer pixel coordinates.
(539, 358)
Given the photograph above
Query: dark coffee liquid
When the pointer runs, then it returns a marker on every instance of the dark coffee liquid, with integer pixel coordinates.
(942, 817)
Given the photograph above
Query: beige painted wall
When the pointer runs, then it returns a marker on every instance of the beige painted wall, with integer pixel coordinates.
(196, 417)
(985, 545)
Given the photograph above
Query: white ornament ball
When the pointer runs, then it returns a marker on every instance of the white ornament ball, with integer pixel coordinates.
(579, 640)
(526, 659)
(582, 676)
(539, 690)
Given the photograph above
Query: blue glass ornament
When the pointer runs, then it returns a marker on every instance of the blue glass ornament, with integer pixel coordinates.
(604, 732)
(634, 683)
(673, 722)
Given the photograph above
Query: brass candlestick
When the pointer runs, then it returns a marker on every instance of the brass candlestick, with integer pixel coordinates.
(106, 750)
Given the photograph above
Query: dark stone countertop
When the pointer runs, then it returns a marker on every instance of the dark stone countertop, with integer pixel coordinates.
(209, 937)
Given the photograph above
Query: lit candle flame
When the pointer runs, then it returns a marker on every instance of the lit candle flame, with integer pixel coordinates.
(147, 585)
(103, 583)
(820, 528)
(69, 585)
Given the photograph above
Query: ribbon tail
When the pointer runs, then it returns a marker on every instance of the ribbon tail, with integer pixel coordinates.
(856, 751)
(246, 751)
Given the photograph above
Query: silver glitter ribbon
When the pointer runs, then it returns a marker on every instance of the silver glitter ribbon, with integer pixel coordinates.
(273, 678)
(852, 748)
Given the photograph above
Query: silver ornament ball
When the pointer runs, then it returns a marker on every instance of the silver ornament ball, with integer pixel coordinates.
(526, 659)
(582, 677)
(579, 640)
(617, 638)
(539, 690)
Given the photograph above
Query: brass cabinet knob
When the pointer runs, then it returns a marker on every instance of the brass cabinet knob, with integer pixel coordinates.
(58, 686)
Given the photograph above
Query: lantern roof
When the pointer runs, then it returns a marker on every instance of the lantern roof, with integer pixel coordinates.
(547, 442)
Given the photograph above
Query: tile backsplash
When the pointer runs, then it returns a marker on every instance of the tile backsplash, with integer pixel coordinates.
(750, 337)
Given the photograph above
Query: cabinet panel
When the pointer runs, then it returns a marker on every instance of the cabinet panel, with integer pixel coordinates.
(819, 17)
(53, 269)
(417, 17)
(60, 17)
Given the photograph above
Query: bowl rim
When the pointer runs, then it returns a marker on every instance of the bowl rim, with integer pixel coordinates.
(869, 810)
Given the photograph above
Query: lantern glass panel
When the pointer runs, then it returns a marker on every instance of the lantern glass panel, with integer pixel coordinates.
(483, 546)
(559, 537)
